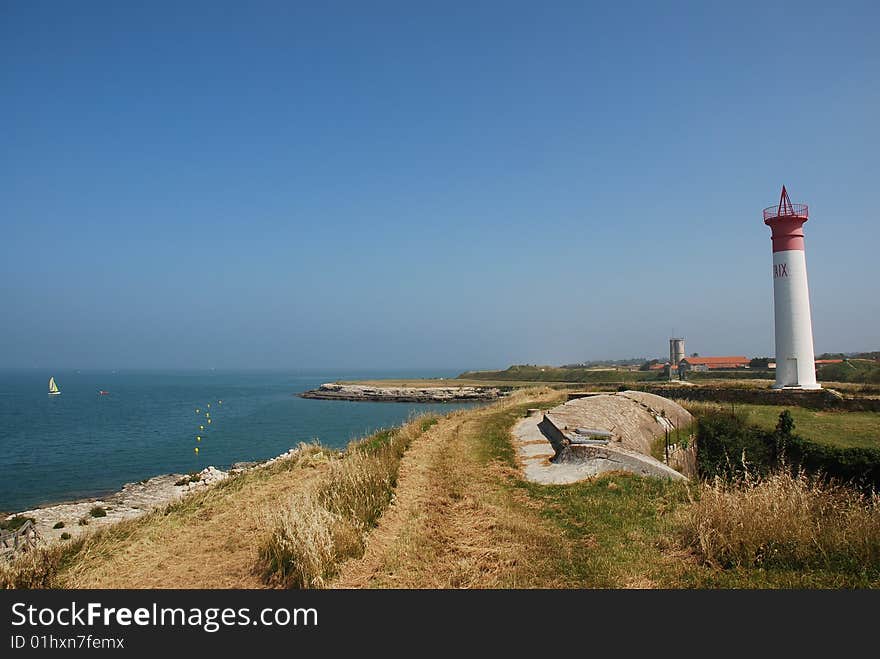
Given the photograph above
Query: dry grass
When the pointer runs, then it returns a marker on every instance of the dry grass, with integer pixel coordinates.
(359, 487)
(35, 569)
(455, 522)
(306, 544)
(205, 540)
(311, 534)
(784, 521)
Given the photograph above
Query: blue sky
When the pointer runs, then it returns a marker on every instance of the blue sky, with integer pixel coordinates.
(449, 184)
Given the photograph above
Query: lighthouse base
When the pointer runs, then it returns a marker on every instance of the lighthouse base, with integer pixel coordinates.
(802, 387)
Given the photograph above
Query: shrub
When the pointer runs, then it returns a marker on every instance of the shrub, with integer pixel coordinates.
(726, 445)
(858, 465)
(65, 536)
(58, 525)
(83, 521)
(97, 511)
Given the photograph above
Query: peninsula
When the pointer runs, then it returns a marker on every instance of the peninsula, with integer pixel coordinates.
(403, 394)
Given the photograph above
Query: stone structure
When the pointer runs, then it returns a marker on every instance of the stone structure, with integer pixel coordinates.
(603, 432)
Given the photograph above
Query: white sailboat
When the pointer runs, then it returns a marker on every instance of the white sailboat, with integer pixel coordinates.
(53, 388)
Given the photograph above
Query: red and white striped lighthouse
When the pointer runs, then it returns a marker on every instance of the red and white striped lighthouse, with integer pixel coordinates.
(795, 361)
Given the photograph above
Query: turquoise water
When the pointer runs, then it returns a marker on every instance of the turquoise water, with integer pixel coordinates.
(80, 444)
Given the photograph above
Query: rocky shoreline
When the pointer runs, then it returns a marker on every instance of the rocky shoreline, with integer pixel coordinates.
(133, 500)
(356, 392)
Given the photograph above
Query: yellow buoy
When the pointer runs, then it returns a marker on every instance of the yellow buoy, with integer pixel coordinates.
(209, 404)
(209, 420)
(197, 449)
(219, 402)
(197, 410)
(201, 427)
(198, 438)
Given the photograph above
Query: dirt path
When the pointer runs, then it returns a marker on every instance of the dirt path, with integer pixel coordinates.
(453, 523)
(209, 544)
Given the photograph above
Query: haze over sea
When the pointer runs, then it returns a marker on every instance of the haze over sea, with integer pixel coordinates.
(81, 444)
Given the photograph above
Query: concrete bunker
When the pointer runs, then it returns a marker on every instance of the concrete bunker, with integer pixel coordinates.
(610, 432)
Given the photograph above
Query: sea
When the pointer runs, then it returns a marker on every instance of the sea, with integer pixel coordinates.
(82, 444)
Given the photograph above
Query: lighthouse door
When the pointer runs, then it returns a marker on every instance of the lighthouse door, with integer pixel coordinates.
(793, 377)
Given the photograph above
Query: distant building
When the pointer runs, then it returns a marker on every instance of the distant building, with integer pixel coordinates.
(715, 363)
(676, 350)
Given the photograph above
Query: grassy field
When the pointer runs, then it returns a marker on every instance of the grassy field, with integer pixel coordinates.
(757, 381)
(552, 374)
(843, 429)
(464, 517)
(611, 383)
(866, 371)
(461, 516)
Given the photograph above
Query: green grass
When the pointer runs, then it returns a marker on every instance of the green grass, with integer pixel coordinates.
(377, 441)
(842, 429)
(865, 371)
(680, 436)
(742, 374)
(625, 531)
(523, 375)
(615, 519)
(551, 374)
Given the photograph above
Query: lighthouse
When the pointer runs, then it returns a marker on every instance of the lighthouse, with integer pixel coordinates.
(795, 361)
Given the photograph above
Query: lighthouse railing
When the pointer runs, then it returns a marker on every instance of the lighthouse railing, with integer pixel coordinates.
(797, 210)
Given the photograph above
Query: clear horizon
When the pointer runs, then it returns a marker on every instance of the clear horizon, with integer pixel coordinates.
(394, 187)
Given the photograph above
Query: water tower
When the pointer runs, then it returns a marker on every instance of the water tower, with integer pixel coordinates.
(795, 361)
(676, 351)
